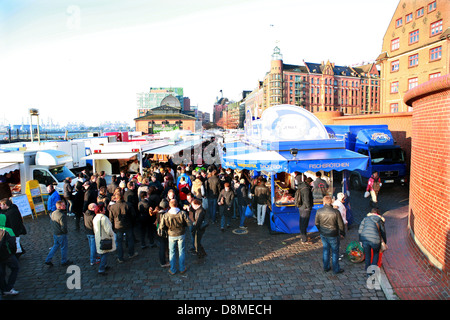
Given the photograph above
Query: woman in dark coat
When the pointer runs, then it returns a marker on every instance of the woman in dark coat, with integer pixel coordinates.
(13, 219)
(77, 203)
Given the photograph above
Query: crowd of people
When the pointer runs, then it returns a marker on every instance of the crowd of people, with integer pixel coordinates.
(160, 208)
(168, 204)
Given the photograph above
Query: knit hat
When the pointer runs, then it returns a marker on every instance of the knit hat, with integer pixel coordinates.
(340, 196)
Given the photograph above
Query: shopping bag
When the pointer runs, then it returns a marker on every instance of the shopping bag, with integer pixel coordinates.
(19, 247)
(248, 212)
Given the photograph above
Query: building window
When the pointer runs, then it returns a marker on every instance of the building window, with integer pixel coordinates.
(435, 54)
(419, 13)
(413, 60)
(394, 87)
(398, 22)
(431, 6)
(412, 83)
(395, 65)
(435, 75)
(409, 17)
(436, 28)
(414, 36)
(394, 107)
(395, 44)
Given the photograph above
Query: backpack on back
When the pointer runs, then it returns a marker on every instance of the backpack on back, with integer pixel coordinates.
(7, 245)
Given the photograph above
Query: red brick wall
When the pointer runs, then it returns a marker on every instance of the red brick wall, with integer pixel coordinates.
(429, 199)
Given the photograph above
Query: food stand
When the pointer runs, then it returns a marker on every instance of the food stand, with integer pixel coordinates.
(285, 140)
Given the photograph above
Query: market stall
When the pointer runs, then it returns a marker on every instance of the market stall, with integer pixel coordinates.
(285, 140)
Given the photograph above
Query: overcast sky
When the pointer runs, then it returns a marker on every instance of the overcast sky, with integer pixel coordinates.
(85, 60)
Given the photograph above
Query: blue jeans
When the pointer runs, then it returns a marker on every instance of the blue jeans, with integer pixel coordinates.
(212, 208)
(235, 208)
(174, 243)
(225, 220)
(368, 247)
(119, 242)
(92, 248)
(102, 266)
(59, 241)
(225, 216)
(330, 244)
(242, 214)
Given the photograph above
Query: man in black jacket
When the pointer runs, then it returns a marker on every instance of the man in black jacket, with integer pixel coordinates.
(68, 191)
(121, 215)
(331, 228)
(305, 204)
(132, 198)
(197, 230)
(90, 196)
(212, 193)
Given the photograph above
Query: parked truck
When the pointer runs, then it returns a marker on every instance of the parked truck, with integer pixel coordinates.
(74, 148)
(45, 166)
(376, 142)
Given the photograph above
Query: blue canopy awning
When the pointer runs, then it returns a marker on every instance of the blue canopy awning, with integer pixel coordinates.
(243, 156)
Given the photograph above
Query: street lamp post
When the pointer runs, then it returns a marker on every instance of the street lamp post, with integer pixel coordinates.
(34, 112)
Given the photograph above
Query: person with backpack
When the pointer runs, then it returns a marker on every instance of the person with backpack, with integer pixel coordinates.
(8, 259)
(14, 219)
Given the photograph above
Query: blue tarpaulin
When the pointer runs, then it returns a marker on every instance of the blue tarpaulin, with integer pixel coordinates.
(243, 156)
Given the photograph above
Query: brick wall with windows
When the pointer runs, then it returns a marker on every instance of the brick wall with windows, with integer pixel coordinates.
(416, 46)
(429, 210)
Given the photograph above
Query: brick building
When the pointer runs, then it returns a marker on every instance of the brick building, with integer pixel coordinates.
(321, 87)
(166, 117)
(415, 50)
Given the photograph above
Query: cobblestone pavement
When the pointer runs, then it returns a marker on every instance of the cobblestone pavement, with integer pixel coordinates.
(257, 265)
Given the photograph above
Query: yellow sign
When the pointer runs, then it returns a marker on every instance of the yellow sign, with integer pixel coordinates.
(33, 191)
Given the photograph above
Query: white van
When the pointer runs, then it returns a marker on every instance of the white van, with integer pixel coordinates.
(45, 166)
